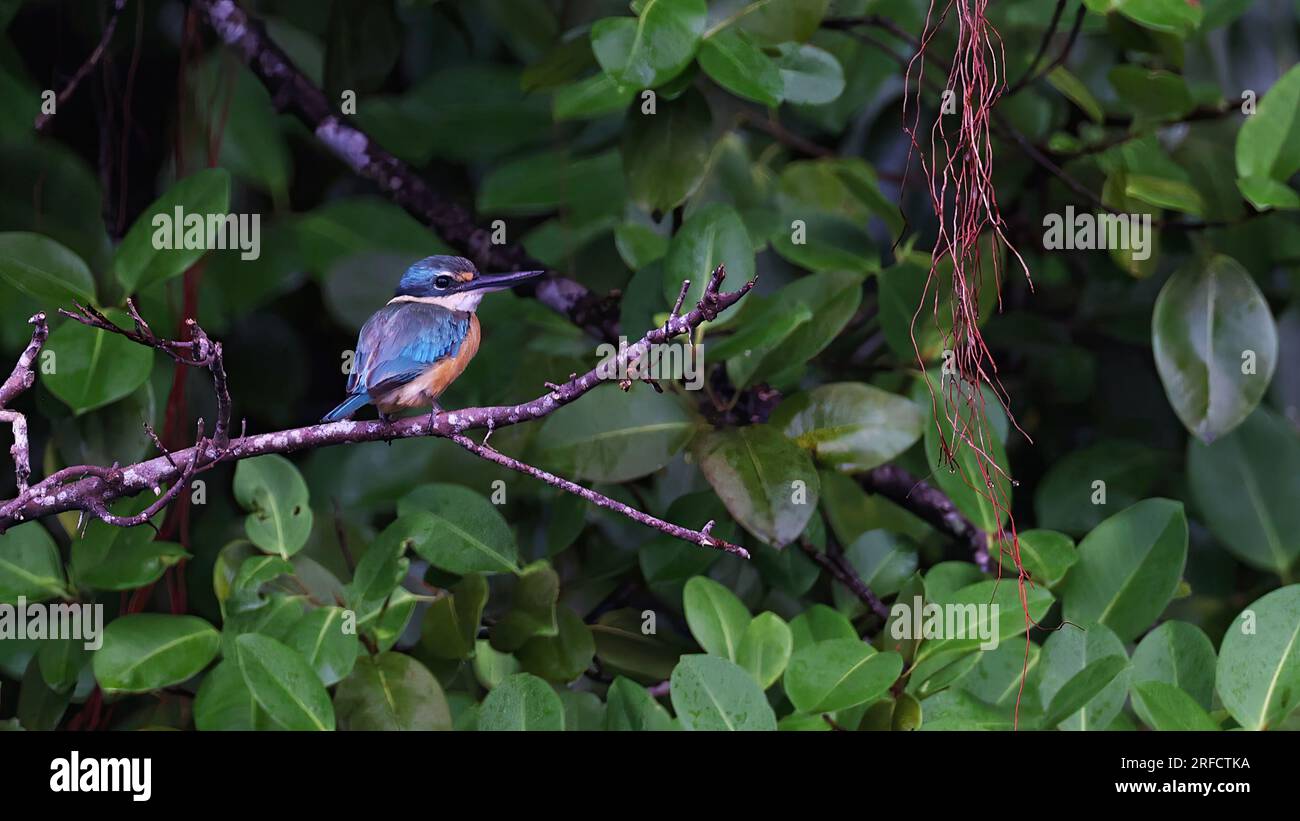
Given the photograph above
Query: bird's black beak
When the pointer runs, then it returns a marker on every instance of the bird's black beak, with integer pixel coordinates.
(499, 282)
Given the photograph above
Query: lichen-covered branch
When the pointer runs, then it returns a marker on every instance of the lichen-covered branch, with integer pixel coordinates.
(22, 378)
(93, 489)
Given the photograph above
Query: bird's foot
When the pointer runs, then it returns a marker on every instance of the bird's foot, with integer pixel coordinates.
(434, 410)
(488, 436)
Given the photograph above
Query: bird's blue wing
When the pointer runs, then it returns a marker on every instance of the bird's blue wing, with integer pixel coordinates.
(403, 339)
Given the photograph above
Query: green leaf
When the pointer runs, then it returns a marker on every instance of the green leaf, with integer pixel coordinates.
(1172, 16)
(320, 638)
(1128, 568)
(149, 651)
(850, 426)
(1268, 144)
(954, 709)
(1084, 682)
(1259, 661)
(985, 623)
(1164, 707)
(532, 608)
(273, 492)
(712, 235)
(391, 691)
(283, 683)
(384, 565)
(44, 270)
(93, 368)
(451, 623)
(471, 534)
(30, 565)
(115, 558)
(587, 187)
(1180, 654)
(224, 702)
(1244, 488)
(765, 648)
(837, 674)
(650, 50)
(665, 154)
(882, 559)
(592, 97)
(1047, 555)
(717, 617)
(766, 481)
(825, 242)
(1215, 345)
(149, 252)
(1074, 90)
(614, 436)
(1069, 498)
(820, 623)
(521, 702)
(809, 74)
(734, 62)
(1152, 95)
(562, 657)
(639, 245)
(631, 707)
(711, 693)
(771, 22)
(61, 661)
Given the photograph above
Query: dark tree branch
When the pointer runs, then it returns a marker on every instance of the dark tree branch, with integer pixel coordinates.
(43, 119)
(844, 573)
(92, 489)
(930, 504)
(291, 91)
(1042, 47)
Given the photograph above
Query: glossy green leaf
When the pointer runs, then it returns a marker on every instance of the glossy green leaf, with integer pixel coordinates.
(631, 707)
(1084, 677)
(615, 436)
(274, 493)
(1215, 345)
(224, 702)
(30, 565)
(1243, 484)
(391, 691)
(1128, 568)
(734, 62)
(521, 702)
(651, 49)
(283, 683)
(711, 693)
(712, 235)
(665, 154)
(840, 673)
(765, 648)
(1047, 555)
(562, 657)
(850, 426)
(1179, 654)
(321, 638)
(150, 651)
(1268, 144)
(44, 270)
(766, 481)
(1165, 707)
(1259, 661)
(809, 74)
(717, 618)
(92, 368)
(469, 533)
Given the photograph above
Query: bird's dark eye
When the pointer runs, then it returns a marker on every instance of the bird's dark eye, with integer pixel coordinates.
(442, 282)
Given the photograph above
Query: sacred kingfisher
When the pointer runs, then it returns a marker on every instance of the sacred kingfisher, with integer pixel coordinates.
(414, 347)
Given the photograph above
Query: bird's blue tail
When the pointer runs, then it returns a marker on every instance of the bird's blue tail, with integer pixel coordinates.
(350, 406)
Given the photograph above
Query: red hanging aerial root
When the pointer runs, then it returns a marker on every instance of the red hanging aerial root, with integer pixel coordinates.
(958, 170)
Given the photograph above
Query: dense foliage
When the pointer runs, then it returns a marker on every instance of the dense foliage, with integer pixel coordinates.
(412, 585)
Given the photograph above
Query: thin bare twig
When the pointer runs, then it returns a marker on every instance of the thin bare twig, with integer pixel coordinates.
(43, 119)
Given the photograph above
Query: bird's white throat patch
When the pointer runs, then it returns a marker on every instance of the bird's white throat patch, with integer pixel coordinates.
(467, 301)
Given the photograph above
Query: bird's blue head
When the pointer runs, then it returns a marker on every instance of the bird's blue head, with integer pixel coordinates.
(453, 282)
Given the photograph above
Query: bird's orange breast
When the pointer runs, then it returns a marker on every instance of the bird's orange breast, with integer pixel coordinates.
(425, 389)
